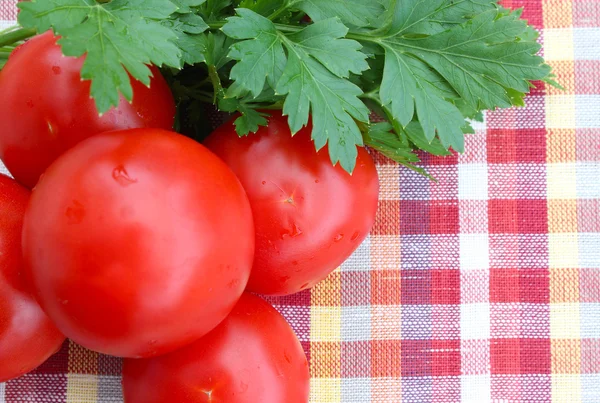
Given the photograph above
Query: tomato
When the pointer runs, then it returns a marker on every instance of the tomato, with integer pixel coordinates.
(46, 109)
(309, 215)
(138, 242)
(253, 356)
(27, 336)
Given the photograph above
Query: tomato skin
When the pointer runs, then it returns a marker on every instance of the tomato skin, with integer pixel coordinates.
(309, 215)
(138, 242)
(45, 108)
(253, 356)
(27, 336)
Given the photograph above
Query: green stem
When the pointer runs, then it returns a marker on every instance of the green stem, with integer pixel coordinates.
(16, 36)
(216, 24)
(213, 74)
(278, 12)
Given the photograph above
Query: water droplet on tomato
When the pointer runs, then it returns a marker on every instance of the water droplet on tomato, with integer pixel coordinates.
(316, 181)
(264, 182)
(338, 237)
(355, 236)
(56, 70)
(121, 176)
(293, 232)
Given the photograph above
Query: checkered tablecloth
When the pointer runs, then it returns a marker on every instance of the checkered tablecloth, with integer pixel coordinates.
(484, 287)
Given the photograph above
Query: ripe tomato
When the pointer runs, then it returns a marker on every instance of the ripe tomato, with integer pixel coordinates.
(138, 242)
(253, 356)
(309, 215)
(27, 337)
(46, 109)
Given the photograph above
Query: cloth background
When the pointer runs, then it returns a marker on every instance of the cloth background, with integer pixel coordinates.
(484, 287)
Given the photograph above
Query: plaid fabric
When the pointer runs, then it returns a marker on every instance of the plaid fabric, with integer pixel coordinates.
(484, 287)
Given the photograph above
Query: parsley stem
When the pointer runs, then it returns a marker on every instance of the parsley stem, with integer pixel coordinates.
(216, 81)
(216, 24)
(16, 36)
(278, 12)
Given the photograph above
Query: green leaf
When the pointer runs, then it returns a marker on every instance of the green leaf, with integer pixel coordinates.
(306, 77)
(186, 6)
(334, 104)
(322, 40)
(260, 57)
(249, 120)
(216, 49)
(416, 135)
(262, 7)
(429, 17)
(188, 26)
(481, 58)
(214, 10)
(382, 138)
(360, 13)
(407, 87)
(442, 78)
(117, 37)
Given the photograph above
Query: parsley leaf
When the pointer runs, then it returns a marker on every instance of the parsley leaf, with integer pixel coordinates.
(429, 17)
(311, 75)
(484, 61)
(117, 37)
(334, 104)
(186, 6)
(188, 26)
(323, 41)
(260, 57)
(359, 13)
(214, 10)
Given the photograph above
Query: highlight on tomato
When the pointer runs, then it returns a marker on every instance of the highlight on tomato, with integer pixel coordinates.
(46, 108)
(138, 242)
(309, 215)
(253, 356)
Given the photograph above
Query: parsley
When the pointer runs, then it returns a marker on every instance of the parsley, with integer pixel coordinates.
(427, 67)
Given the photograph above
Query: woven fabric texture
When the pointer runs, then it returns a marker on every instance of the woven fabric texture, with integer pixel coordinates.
(483, 287)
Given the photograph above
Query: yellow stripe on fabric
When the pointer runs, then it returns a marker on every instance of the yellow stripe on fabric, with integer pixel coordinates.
(324, 390)
(326, 338)
(82, 383)
(561, 146)
(565, 326)
(566, 356)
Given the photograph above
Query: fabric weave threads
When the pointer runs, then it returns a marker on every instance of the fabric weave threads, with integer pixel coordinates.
(481, 288)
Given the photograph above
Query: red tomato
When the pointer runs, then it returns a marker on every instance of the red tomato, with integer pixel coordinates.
(27, 336)
(309, 215)
(46, 109)
(138, 242)
(252, 357)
